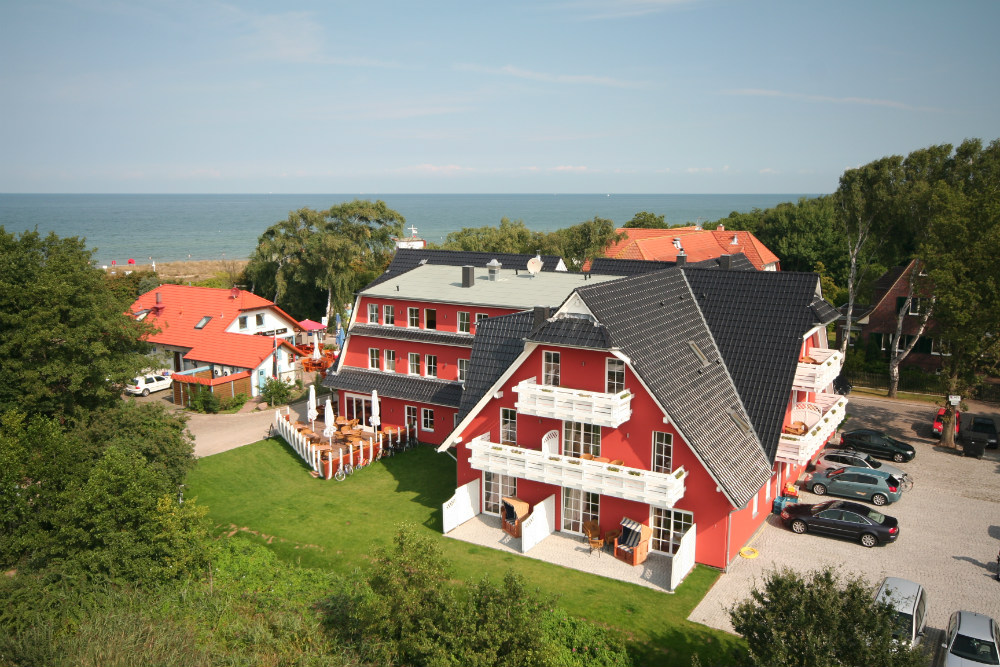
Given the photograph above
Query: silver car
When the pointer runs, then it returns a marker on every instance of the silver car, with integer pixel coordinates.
(838, 458)
(971, 639)
(909, 601)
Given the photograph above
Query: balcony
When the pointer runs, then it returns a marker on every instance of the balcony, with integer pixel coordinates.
(576, 405)
(654, 488)
(816, 372)
(817, 420)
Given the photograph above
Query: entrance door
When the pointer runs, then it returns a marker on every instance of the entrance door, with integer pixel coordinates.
(669, 527)
(578, 507)
(358, 407)
(496, 487)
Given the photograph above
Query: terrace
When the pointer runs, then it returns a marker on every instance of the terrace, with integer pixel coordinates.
(810, 426)
(818, 370)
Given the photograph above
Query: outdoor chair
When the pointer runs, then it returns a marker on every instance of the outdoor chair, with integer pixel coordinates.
(513, 513)
(591, 529)
(632, 546)
(596, 544)
(618, 462)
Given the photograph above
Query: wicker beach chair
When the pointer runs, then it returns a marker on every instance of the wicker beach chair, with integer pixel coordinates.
(513, 512)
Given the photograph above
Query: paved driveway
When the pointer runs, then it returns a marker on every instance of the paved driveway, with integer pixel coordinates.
(949, 527)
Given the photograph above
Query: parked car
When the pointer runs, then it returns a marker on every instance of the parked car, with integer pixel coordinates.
(143, 386)
(939, 419)
(832, 459)
(981, 430)
(878, 486)
(971, 639)
(841, 518)
(909, 601)
(877, 444)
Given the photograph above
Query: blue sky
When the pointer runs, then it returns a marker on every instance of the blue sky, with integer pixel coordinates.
(629, 96)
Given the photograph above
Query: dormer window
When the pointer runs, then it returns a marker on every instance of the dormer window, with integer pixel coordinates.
(243, 321)
(203, 321)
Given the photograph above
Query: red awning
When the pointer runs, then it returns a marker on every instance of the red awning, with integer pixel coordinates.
(310, 325)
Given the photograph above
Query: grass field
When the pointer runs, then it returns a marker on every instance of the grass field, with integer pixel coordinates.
(264, 492)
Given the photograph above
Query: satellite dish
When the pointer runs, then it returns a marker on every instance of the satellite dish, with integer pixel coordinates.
(534, 265)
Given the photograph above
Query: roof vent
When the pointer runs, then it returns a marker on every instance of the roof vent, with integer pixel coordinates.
(738, 419)
(677, 243)
(698, 353)
(735, 241)
(494, 266)
(468, 276)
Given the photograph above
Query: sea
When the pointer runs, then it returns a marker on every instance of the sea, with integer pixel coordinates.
(179, 227)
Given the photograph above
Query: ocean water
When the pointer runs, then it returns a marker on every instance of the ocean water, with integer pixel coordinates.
(168, 228)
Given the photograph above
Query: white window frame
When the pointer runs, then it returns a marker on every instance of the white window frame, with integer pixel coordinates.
(426, 417)
(479, 318)
(581, 438)
(578, 507)
(431, 365)
(426, 325)
(411, 415)
(550, 368)
(463, 369)
(413, 318)
(464, 322)
(754, 509)
(663, 440)
(374, 355)
(243, 322)
(372, 313)
(508, 427)
(495, 488)
(260, 319)
(668, 527)
(389, 360)
(388, 315)
(614, 387)
(413, 357)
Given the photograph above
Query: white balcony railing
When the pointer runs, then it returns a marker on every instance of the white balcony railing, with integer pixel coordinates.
(644, 486)
(816, 374)
(819, 419)
(577, 405)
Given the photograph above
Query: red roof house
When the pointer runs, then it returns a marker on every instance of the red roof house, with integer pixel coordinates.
(697, 244)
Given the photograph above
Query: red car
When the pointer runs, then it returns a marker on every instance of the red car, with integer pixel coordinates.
(940, 416)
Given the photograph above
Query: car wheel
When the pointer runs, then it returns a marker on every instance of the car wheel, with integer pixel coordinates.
(799, 526)
(879, 499)
(869, 540)
(898, 458)
(819, 489)
(145, 392)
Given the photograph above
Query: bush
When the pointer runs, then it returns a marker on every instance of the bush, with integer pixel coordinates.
(276, 392)
(233, 402)
(204, 400)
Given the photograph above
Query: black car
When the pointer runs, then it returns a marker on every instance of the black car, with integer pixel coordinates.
(877, 444)
(842, 518)
(981, 430)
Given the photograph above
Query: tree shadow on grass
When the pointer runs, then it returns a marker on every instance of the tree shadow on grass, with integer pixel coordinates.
(677, 645)
(426, 474)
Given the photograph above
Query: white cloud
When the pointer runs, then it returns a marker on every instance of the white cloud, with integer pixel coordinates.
(864, 101)
(767, 170)
(699, 170)
(570, 168)
(621, 9)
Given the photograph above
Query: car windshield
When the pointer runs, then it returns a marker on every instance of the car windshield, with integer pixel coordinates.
(904, 626)
(978, 650)
(875, 516)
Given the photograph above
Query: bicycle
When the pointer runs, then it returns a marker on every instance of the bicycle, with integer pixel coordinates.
(344, 469)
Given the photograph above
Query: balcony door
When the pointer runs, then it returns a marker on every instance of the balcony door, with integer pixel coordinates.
(496, 487)
(579, 507)
(669, 527)
(358, 407)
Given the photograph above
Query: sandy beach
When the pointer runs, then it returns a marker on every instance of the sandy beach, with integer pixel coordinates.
(193, 271)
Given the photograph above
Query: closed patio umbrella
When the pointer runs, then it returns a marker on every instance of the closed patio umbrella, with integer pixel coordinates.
(312, 411)
(315, 335)
(374, 420)
(330, 428)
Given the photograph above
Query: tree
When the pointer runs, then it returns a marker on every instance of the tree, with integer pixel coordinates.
(510, 236)
(584, 241)
(819, 621)
(647, 220)
(67, 342)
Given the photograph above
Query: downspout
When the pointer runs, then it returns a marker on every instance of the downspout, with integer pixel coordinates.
(729, 528)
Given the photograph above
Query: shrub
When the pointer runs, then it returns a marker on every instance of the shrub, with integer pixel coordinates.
(276, 392)
(233, 402)
(204, 400)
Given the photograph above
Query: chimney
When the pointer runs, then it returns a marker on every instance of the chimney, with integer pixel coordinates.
(159, 298)
(726, 262)
(721, 228)
(468, 276)
(541, 314)
(494, 267)
(681, 259)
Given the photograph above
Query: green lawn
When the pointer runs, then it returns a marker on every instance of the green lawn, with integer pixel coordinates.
(266, 488)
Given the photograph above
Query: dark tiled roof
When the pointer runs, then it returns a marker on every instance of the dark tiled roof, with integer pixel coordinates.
(406, 259)
(758, 321)
(574, 331)
(499, 340)
(654, 318)
(397, 385)
(631, 267)
(414, 335)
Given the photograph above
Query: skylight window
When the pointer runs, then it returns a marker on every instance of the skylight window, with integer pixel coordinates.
(141, 315)
(738, 419)
(203, 321)
(698, 353)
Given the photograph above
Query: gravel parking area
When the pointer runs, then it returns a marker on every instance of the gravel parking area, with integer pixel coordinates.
(949, 526)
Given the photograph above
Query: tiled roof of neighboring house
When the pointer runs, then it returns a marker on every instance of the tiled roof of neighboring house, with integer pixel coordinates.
(512, 289)
(397, 385)
(233, 349)
(698, 244)
(406, 259)
(631, 267)
(573, 331)
(656, 322)
(499, 340)
(758, 321)
(413, 335)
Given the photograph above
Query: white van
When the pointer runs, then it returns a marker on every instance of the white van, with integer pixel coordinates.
(910, 602)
